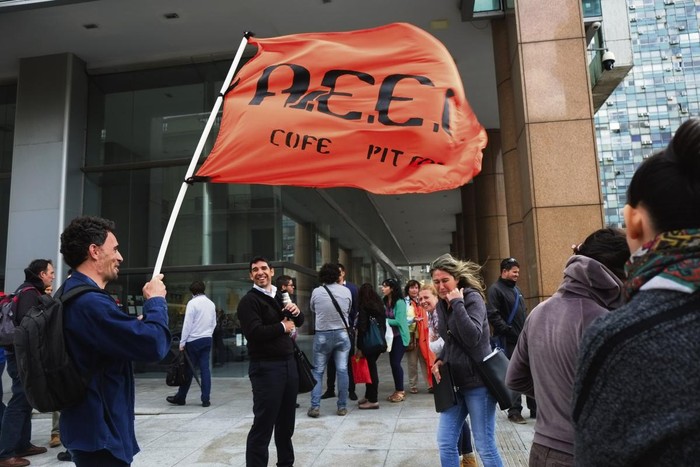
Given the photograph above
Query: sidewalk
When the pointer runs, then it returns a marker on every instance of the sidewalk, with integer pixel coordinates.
(398, 434)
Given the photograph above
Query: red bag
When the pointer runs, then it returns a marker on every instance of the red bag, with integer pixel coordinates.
(360, 371)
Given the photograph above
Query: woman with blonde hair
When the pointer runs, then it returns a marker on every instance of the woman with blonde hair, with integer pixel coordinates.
(428, 299)
(463, 325)
(420, 355)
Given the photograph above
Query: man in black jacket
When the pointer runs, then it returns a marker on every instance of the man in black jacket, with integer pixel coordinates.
(506, 312)
(16, 431)
(267, 325)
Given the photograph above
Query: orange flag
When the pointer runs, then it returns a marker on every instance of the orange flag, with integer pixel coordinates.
(379, 109)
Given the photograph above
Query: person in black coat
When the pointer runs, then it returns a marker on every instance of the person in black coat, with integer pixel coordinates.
(267, 326)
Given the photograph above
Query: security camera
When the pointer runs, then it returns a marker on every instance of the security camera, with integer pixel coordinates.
(608, 60)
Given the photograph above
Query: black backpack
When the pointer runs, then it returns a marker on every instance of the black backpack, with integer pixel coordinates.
(50, 379)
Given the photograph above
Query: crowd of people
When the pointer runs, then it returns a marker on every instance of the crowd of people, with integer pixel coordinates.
(607, 364)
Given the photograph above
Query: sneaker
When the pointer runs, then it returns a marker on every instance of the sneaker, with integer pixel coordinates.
(55, 440)
(328, 395)
(313, 412)
(367, 405)
(206, 404)
(64, 456)
(352, 396)
(517, 418)
(342, 412)
(361, 401)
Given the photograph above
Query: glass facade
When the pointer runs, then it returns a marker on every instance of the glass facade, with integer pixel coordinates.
(143, 127)
(8, 100)
(660, 92)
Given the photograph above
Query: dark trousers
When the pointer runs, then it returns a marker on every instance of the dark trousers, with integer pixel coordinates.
(275, 386)
(395, 357)
(464, 446)
(330, 369)
(17, 420)
(219, 348)
(372, 389)
(101, 458)
(198, 351)
(542, 456)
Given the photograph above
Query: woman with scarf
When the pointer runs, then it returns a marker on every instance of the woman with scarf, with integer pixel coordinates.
(462, 323)
(635, 400)
(419, 338)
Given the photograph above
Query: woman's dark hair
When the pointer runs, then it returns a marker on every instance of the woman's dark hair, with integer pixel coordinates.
(410, 284)
(368, 298)
(395, 287)
(668, 183)
(609, 247)
(80, 234)
(329, 273)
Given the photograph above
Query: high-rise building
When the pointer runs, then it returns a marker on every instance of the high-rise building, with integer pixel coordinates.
(658, 94)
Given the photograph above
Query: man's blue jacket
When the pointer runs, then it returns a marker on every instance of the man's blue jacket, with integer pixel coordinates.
(103, 341)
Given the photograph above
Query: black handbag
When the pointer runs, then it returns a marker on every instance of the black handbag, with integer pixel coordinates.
(304, 367)
(177, 371)
(492, 370)
(444, 392)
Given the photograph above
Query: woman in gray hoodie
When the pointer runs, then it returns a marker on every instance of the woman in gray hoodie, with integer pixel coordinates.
(543, 364)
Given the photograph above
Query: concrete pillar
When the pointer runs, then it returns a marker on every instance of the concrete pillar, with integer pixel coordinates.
(468, 193)
(49, 144)
(490, 210)
(547, 138)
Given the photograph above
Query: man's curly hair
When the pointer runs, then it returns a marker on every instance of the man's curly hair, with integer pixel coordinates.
(80, 234)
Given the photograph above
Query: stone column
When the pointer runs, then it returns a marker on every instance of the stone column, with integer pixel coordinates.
(490, 216)
(548, 138)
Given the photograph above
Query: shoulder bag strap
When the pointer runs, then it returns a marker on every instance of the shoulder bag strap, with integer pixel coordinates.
(337, 307)
(515, 306)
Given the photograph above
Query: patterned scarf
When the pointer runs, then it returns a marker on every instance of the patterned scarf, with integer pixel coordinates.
(670, 261)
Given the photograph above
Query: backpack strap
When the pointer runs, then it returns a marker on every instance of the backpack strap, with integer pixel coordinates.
(515, 306)
(77, 290)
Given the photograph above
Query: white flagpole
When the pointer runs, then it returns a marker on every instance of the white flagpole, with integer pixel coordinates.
(197, 154)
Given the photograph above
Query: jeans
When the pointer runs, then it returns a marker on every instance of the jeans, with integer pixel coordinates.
(330, 376)
(481, 408)
(17, 420)
(198, 351)
(331, 344)
(395, 357)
